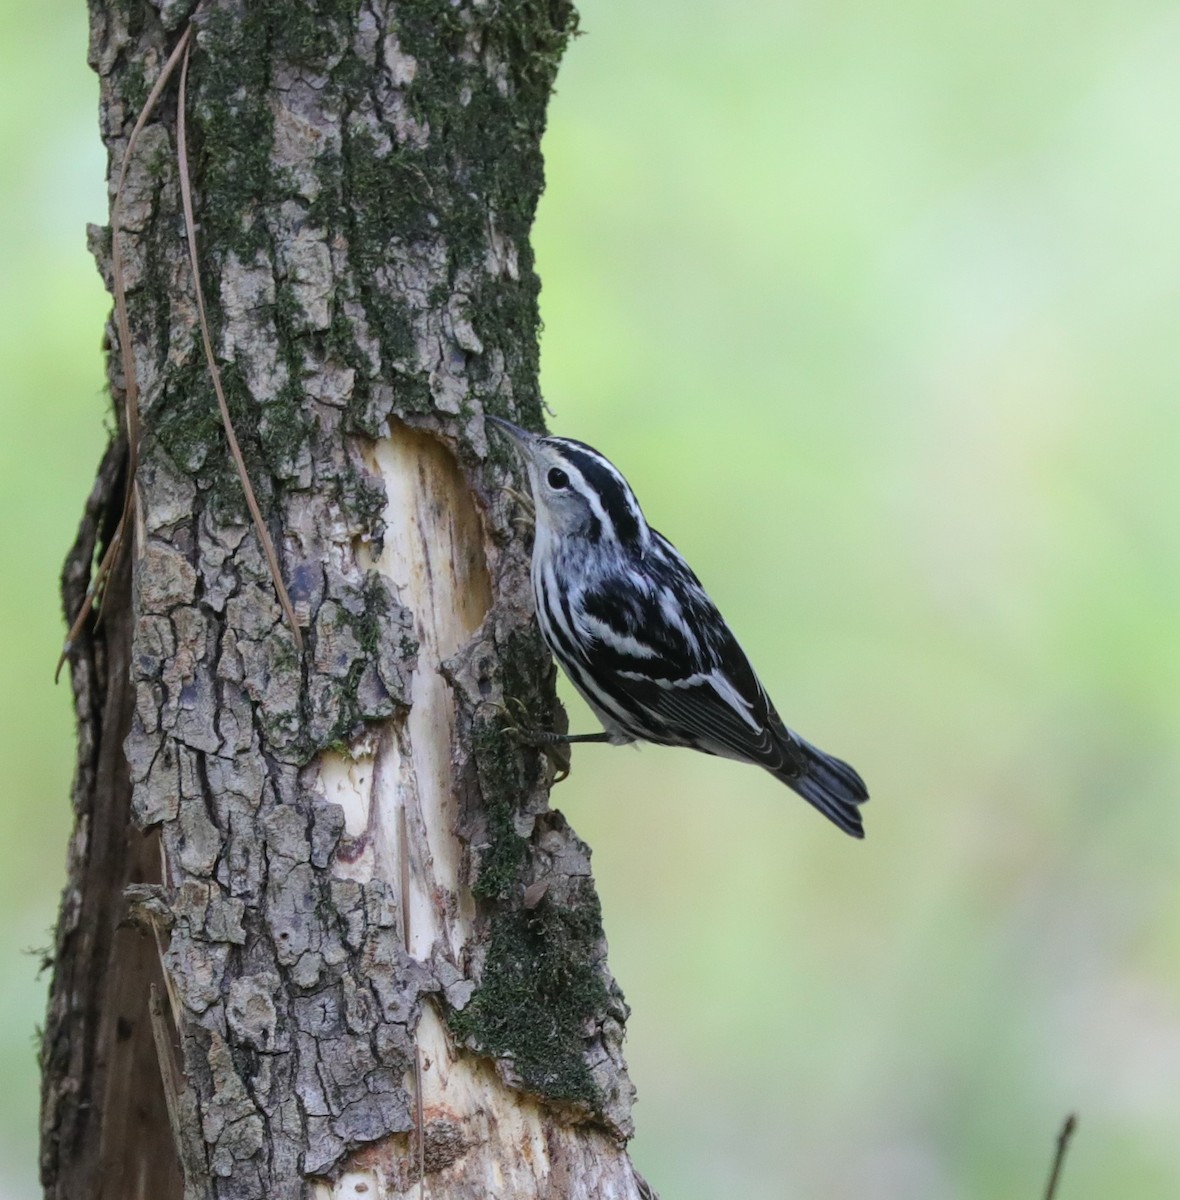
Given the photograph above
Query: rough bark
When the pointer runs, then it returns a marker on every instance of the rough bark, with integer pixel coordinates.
(337, 870)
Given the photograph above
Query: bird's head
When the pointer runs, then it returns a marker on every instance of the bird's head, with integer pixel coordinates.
(576, 491)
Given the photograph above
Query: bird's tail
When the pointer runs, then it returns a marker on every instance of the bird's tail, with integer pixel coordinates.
(830, 784)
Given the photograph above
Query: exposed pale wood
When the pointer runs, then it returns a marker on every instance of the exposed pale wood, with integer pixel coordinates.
(479, 1136)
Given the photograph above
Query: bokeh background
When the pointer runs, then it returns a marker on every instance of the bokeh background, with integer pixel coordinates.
(879, 309)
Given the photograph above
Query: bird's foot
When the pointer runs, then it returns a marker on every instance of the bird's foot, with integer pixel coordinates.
(520, 727)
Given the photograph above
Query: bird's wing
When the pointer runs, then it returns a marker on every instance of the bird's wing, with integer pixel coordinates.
(709, 713)
(665, 654)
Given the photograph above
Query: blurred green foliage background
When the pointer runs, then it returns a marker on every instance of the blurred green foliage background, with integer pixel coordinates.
(879, 310)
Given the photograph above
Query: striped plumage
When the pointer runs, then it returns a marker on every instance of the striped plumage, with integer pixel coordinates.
(642, 642)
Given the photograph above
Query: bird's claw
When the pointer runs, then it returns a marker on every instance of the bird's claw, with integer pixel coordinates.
(526, 519)
(520, 727)
(525, 501)
(558, 757)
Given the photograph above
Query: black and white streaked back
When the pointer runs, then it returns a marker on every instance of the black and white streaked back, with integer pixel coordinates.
(641, 640)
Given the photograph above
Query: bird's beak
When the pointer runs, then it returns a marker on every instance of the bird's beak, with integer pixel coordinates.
(522, 439)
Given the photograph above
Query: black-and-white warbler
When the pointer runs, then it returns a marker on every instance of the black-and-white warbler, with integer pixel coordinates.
(634, 630)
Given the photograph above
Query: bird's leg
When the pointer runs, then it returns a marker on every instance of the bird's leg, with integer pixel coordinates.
(555, 746)
(527, 735)
(520, 720)
(542, 737)
(552, 745)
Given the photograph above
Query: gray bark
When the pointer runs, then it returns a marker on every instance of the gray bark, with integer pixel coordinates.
(335, 870)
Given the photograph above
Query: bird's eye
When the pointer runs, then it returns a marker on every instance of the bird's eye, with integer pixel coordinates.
(558, 479)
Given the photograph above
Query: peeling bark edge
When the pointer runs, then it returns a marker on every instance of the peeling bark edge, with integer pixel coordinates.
(366, 176)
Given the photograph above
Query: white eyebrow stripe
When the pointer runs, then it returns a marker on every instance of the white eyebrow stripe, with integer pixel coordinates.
(591, 496)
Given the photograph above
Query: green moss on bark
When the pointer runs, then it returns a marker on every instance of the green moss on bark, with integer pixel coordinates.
(541, 991)
(502, 783)
(507, 771)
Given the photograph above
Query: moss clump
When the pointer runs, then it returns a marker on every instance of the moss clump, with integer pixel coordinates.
(284, 430)
(232, 128)
(232, 122)
(134, 87)
(362, 497)
(286, 425)
(486, 151)
(377, 197)
(369, 626)
(541, 991)
(502, 781)
(189, 429)
(188, 425)
(478, 98)
(506, 771)
(342, 701)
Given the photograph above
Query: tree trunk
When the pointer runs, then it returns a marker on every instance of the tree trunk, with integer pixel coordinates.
(322, 935)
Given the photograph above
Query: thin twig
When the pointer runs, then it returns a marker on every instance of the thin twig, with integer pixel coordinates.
(126, 354)
(1067, 1128)
(122, 322)
(186, 198)
(100, 576)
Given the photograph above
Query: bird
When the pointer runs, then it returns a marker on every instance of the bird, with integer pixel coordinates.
(637, 634)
